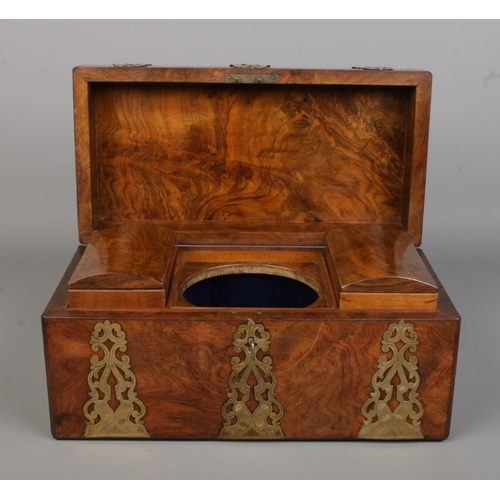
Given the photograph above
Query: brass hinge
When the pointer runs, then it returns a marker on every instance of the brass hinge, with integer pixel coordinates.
(373, 68)
(250, 78)
(250, 66)
(131, 65)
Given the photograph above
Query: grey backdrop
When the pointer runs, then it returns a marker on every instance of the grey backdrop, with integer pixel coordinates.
(38, 231)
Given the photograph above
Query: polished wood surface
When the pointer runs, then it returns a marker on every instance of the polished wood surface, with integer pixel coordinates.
(116, 299)
(328, 146)
(412, 207)
(383, 301)
(305, 265)
(182, 363)
(180, 175)
(380, 258)
(378, 267)
(125, 256)
(124, 266)
(371, 266)
(158, 74)
(222, 152)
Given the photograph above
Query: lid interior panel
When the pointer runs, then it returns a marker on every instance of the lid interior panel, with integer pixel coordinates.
(248, 153)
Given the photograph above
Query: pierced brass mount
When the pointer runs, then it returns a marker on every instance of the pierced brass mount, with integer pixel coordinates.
(240, 421)
(382, 422)
(103, 421)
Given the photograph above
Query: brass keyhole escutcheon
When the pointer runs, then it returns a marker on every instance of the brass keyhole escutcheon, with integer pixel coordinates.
(240, 421)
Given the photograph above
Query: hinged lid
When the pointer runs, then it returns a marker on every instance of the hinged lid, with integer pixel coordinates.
(309, 147)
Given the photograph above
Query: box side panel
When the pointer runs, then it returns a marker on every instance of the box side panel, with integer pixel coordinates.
(68, 365)
(416, 158)
(86, 170)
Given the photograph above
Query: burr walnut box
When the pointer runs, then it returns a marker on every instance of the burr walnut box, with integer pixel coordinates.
(249, 264)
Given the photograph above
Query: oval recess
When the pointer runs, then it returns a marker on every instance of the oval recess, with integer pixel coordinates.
(249, 285)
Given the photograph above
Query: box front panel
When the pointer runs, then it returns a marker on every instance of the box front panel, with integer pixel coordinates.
(168, 379)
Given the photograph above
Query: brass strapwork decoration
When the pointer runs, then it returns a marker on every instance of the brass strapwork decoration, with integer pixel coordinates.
(253, 383)
(399, 373)
(103, 421)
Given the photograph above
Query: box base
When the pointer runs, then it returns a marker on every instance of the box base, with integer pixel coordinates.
(207, 373)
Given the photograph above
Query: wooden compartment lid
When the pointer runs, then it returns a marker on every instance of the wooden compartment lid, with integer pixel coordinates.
(314, 147)
(125, 264)
(127, 256)
(378, 267)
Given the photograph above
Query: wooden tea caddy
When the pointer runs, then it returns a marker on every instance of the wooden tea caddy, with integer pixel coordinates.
(287, 205)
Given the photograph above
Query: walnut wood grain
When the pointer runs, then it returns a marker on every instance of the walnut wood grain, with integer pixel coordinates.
(305, 265)
(86, 170)
(173, 156)
(377, 267)
(380, 258)
(416, 154)
(395, 301)
(320, 146)
(182, 368)
(436, 353)
(58, 307)
(104, 74)
(125, 256)
(323, 359)
(116, 299)
(233, 153)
